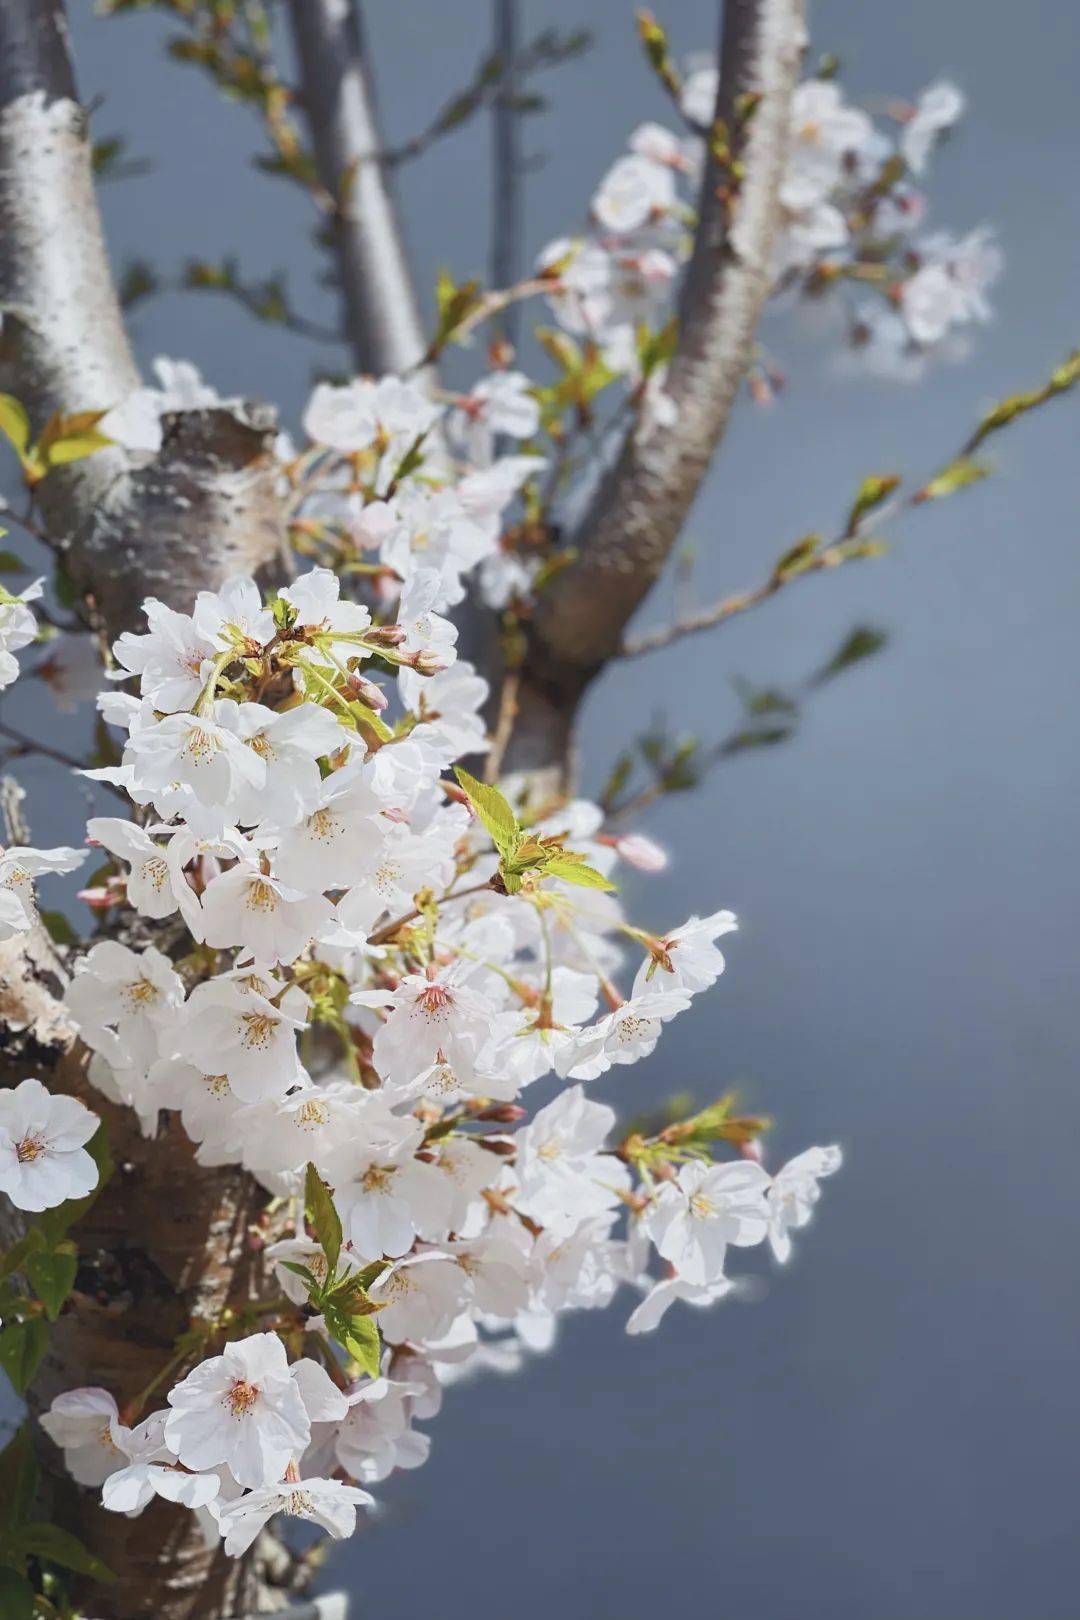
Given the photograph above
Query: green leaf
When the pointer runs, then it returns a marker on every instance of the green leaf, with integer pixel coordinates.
(759, 700)
(22, 1346)
(797, 558)
(620, 774)
(655, 42)
(358, 1335)
(493, 810)
(52, 1276)
(367, 719)
(365, 1345)
(872, 491)
(656, 348)
(863, 642)
(18, 1479)
(324, 1218)
(75, 448)
(576, 872)
(61, 1547)
(957, 475)
(756, 737)
(369, 1274)
(10, 564)
(16, 1596)
(17, 1255)
(454, 304)
(14, 423)
(304, 1272)
(58, 927)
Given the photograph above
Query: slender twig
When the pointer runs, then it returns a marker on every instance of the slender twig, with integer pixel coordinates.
(494, 303)
(729, 606)
(381, 935)
(506, 213)
(848, 545)
(267, 303)
(24, 744)
(8, 514)
(504, 725)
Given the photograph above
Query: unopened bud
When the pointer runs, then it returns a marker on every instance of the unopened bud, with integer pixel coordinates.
(501, 1146)
(760, 389)
(97, 899)
(426, 662)
(385, 635)
(368, 692)
(502, 1114)
(637, 850)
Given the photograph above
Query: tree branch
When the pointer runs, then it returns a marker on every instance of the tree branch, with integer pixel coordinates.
(506, 215)
(63, 344)
(382, 314)
(728, 607)
(638, 511)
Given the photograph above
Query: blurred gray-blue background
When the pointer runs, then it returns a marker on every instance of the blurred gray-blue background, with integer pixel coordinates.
(891, 1431)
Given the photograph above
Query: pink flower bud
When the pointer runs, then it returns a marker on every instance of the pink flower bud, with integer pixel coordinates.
(503, 1114)
(368, 692)
(97, 899)
(425, 662)
(385, 635)
(637, 850)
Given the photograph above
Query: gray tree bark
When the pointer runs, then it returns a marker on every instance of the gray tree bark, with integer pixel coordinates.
(167, 1239)
(382, 314)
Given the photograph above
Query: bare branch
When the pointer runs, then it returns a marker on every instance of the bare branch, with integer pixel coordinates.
(383, 320)
(639, 509)
(875, 500)
(728, 607)
(506, 212)
(23, 744)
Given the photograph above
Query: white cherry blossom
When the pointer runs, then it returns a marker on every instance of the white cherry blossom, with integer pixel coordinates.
(794, 1193)
(625, 1035)
(249, 1409)
(18, 627)
(694, 1218)
(377, 1434)
(150, 1470)
(43, 1157)
(687, 958)
(85, 1424)
(328, 1503)
(662, 1295)
(563, 1174)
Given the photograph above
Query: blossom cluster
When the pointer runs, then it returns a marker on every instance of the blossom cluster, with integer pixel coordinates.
(365, 959)
(852, 209)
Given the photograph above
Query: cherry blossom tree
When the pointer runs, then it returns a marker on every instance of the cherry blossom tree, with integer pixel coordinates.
(271, 1177)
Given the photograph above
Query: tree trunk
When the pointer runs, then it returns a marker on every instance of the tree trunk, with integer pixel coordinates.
(166, 1241)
